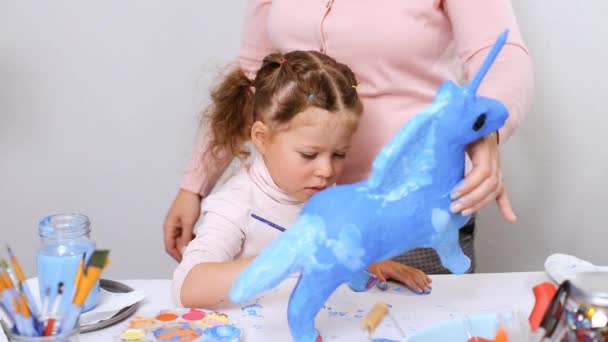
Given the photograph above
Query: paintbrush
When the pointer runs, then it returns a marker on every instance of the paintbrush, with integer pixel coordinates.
(7, 288)
(87, 281)
(44, 310)
(6, 297)
(50, 323)
(45, 304)
(18, 318)
(79, 272)
(6, 317)
(5, 274)
(28, 321)
(21, 281)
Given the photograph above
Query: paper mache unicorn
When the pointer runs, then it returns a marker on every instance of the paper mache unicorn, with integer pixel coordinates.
(404, 204)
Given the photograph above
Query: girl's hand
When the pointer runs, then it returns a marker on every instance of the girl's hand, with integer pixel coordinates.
(484, 183)
(413, 278)
(179, 222)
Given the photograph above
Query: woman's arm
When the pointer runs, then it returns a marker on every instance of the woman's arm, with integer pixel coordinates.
(476, 24)
(202, 175)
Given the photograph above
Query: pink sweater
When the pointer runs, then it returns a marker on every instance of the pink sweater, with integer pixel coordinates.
(238, 221)
(400, 51)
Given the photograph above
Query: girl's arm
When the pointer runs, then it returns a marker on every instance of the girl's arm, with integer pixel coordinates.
(207, 285)
(208, 268)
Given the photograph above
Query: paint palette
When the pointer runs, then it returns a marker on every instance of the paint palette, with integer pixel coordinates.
(182, 325)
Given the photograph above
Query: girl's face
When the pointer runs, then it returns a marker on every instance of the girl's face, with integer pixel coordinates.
(308, 154)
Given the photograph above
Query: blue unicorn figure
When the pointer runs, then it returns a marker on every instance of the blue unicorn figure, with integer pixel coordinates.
(404, 204)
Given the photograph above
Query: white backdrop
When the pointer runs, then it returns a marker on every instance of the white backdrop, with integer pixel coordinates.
(99, 103)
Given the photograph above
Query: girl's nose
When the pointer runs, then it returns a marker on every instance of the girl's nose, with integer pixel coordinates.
(324, 168)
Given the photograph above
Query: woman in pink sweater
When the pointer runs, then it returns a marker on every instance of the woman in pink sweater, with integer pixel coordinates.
(400, 51)
(300, 112)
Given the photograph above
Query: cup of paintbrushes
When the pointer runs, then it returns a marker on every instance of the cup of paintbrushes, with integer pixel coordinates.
(68, 336)
(14, 323)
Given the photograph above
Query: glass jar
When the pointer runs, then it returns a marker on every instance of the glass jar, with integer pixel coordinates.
(70, 336)
(64, 239)
(579, 309)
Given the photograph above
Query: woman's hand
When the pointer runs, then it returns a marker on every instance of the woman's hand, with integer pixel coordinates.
(179, 222)
(413, 278)
(484, 183)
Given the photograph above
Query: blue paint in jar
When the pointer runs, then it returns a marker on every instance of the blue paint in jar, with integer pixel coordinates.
(64, 239)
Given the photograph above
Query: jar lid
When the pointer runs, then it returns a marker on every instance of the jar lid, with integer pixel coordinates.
(591, 288)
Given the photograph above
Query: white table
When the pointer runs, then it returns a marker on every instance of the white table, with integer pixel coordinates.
(452, 296)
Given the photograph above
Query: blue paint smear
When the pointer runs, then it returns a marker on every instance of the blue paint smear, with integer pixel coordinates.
(251, 309)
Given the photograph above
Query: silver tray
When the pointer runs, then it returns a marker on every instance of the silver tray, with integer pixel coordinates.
(116, 287)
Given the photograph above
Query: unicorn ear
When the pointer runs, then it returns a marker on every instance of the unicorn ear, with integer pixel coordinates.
(487, 63)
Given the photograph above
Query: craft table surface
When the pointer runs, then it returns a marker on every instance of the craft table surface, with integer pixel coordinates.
(264, 317)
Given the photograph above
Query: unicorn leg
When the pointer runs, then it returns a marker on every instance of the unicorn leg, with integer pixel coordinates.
(451, 254)
(306, 300)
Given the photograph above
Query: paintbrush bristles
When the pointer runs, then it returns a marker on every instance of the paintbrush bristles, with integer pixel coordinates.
(98, 259)
(92, 272)
(16, 265)
(57, 299)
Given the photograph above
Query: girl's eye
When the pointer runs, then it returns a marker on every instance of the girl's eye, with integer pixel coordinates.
(308, 155)
(340, 155)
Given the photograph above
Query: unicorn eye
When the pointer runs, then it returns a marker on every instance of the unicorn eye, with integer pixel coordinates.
(479, 122)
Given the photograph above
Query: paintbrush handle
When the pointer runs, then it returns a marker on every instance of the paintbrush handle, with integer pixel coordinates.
(87, 282)
(68, 322)
(50, 324)
(30, 300)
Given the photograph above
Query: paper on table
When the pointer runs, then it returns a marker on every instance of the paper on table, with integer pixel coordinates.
(109, 303)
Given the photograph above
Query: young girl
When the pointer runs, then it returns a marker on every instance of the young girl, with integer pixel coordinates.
(300, 112)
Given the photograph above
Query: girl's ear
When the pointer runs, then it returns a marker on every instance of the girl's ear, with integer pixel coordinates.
(260, 135)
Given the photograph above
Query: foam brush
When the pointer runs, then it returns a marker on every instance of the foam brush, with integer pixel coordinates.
(86, 284)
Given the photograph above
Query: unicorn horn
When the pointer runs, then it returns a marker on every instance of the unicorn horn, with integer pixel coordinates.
(487, 63)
